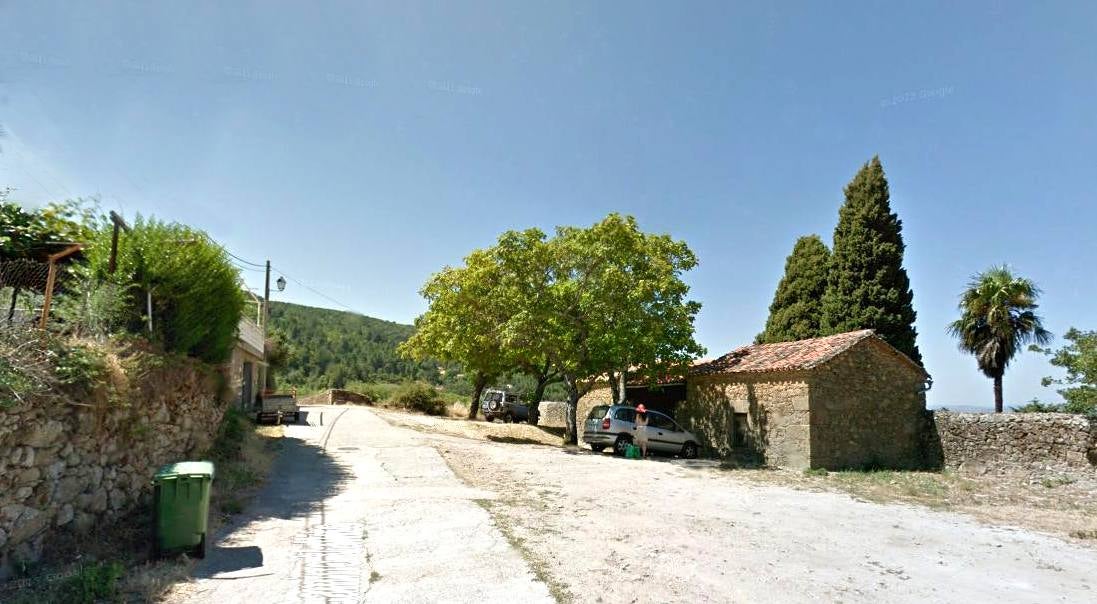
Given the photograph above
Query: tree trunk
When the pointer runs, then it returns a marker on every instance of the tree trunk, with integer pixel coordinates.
(622, 385)
(614, 393)
(571, 432)
(997, 394)
(478, 385)
(539, 392)
(11, 309)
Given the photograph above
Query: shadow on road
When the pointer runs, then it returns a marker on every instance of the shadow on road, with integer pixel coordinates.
(229, 559)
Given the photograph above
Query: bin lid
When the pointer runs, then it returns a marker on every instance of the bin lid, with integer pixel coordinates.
(185, 468)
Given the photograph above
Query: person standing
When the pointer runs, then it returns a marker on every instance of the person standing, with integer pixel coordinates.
(642, 430)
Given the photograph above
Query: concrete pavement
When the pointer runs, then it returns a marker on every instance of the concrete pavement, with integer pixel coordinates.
(359, 511)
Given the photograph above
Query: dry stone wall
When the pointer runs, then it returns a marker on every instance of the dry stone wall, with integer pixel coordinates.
(66, 465)
(1023, 441)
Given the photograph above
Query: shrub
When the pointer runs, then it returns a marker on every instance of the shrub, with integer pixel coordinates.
(94, 583)
(420, 396)
(196, 296)
(227, 445)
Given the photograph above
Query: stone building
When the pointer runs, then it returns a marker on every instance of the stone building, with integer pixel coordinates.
(245, 368)
(844, 401)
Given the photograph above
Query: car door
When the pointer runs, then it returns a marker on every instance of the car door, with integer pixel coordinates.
(663, 434)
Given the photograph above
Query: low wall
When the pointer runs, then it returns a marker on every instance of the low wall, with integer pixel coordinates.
(1013, 440)
(335, 397)
(68, 464)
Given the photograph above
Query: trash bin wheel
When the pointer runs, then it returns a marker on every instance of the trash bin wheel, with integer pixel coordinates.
(202, 548)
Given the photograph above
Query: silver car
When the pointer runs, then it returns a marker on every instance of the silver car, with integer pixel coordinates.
(615, 426)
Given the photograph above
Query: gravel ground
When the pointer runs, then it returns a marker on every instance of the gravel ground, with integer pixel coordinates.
(602, 529)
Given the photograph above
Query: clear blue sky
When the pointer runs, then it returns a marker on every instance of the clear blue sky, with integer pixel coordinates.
(361, 146)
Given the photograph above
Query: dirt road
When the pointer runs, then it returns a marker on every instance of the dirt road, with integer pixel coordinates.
(377, 515)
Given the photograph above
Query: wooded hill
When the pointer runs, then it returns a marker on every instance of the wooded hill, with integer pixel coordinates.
(331, 348)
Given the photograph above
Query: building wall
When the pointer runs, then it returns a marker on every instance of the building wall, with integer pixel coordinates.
(776, 408)
(235, 376)
(867, 410)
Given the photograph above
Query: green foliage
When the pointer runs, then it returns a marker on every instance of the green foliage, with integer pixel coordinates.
(796, 311)
(867, 286)
(196, 296)
(997, 319)
(228, 444)
(93, 583)
(35, 234)
(80, 366)
(1079, 359)
(332, 349)
(1035, 406)
(419, 396)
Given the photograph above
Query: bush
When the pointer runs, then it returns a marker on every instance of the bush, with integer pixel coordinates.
(95, 583)
(228, 444)
(420, 396)
(197, 300)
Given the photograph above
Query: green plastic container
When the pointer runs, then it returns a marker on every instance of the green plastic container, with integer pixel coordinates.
(181, 508)
(632, 452)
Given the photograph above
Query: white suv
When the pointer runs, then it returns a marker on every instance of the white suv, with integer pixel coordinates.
(615, 425)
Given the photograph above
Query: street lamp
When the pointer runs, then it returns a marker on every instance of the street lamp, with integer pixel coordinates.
(281, 283)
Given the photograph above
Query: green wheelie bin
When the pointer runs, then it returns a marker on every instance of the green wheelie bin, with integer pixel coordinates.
(180, 513)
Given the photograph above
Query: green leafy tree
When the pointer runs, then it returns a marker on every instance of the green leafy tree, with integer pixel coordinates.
(1079, 359)
(194, 289)
(618, 301)
(796, 311)
(463, 323)
(867, 286)
(997, 319)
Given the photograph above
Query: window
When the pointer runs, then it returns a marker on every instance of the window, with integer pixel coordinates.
(739, 430)
(625, 415)
(660, 421)
(598, 412)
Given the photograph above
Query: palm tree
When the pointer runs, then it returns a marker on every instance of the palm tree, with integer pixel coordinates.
(997, 321)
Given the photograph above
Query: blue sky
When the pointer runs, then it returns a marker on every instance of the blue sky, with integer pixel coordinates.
(361, 146)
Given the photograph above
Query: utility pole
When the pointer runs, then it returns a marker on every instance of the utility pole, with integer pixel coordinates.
(118, 224)
(266, 319)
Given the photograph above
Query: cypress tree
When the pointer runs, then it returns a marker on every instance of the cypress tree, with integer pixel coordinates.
(867, 286)
(796, 311)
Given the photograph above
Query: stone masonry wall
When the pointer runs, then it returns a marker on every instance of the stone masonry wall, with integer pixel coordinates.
(867, 410)
(66, 465)
(1014, 440)
(776, 408)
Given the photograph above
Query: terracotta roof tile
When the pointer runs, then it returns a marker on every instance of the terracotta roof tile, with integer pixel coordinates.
(783, 356)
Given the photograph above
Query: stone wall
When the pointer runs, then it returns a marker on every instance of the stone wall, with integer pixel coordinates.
(601, 395)
(775, 405)
(867, 410)
(1023, 441)
(68, 464)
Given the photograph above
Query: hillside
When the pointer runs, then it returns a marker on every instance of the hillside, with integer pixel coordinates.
(329, 348)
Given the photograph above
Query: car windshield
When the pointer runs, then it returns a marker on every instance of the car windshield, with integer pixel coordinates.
(598, 412)
(494, 397)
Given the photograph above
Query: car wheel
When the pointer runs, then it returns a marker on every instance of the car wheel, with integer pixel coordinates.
(689, 450)
(597, 448)
(622, 443)
(508, 418)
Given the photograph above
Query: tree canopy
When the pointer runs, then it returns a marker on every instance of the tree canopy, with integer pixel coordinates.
(1079, 359)
(997, 319)
(579, 305)
(796, 311)
(867, 286)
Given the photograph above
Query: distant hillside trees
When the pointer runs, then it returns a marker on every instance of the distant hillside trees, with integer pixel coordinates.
(867, 286)
(332, 348)
(796, 311)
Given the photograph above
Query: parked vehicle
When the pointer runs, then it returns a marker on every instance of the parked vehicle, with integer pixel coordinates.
(506, 406)
(277, 408)
(615, 426)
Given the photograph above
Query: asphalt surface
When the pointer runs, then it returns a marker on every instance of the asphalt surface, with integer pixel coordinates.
(360, 511)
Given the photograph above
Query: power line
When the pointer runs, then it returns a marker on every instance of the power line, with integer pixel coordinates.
(255, 264)
(318, 293)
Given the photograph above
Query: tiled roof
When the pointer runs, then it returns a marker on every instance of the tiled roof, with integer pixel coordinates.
(785, 356)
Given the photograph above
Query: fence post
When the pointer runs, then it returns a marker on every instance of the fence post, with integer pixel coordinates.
(49, 295)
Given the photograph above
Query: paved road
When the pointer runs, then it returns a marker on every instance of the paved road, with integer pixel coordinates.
(359, 511)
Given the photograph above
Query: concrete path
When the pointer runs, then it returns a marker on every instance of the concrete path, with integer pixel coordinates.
(359, 511)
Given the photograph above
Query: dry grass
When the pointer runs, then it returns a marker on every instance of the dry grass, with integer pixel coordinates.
(68, 557)
(474, 429)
